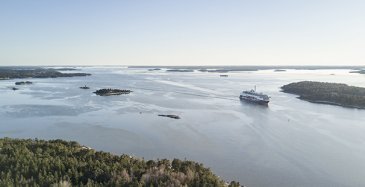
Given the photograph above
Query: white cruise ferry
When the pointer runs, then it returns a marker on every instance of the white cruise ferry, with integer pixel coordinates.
(253, 96)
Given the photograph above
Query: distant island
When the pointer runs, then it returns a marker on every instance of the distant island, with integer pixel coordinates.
(154, 69)
(26, 72)
(64, 69)
(225, 69)
(328, 93)
(180, 70)
(170, 116)
(61, 163)
(279, 70)
(23, 83)
(358, 71)
(110, 91)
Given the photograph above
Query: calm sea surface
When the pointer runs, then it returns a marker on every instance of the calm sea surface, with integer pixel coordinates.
(289, 143)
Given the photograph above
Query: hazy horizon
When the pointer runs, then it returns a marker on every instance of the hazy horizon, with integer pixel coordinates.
(170, 33)
(167, 66)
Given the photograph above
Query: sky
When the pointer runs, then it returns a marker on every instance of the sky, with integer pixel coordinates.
(182, 32)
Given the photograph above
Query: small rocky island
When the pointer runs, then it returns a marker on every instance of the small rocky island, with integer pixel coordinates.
(154, 69)
(23, 83)
(170, 116)
(328, 93)
(279, 70)
(34, 72)
(110, 91)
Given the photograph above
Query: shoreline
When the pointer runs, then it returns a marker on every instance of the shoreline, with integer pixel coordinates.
(324, 102)
(331, 103)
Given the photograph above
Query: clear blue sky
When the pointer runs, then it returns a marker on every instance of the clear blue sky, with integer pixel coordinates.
(182, 32)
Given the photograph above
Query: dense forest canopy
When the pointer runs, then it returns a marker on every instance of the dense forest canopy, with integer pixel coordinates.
(110, 91)
(62, 163)
(12, 73)
(331, 93)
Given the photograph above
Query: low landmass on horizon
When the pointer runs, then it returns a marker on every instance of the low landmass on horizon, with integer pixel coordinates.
(24, 72)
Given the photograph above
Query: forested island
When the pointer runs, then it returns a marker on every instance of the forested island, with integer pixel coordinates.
(358, 71)
(61, 163)
(23, 83)
(225, 69)
(110, 91)
(64, 69)
(328, 93)
(279, 70)
(180, 70)
(26, 72)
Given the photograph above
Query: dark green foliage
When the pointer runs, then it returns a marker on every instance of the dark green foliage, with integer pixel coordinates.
(23, 83)
(109, 91)
(12, 73)
(330, 93)
(62, 163)
(234, 184)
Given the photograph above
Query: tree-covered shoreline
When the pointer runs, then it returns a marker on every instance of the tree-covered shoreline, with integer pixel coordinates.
(36, 72)
(358, 71)
(58, 162)
(328, 93)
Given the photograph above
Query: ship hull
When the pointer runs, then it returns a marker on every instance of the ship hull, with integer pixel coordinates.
(256, 101)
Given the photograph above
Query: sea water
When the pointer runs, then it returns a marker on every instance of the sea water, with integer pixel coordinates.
(290, 142)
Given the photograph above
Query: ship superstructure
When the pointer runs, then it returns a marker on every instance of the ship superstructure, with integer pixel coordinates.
(255, 97)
